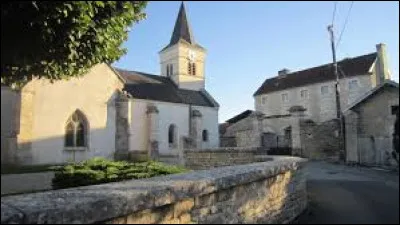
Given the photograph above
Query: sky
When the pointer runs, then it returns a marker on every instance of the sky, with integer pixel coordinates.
(248, 42)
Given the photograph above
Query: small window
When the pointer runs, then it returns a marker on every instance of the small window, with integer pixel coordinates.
(353, 84)
(189, 68)
(205, 135)
(172, 135)
(168, 70)
(336, 133)
(285, 97)
(304, 94)
(259, 100)
(324, 90)
(395, 109)
(194, 69)
(264, 100)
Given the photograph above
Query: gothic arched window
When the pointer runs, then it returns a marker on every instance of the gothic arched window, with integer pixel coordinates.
(76, 130)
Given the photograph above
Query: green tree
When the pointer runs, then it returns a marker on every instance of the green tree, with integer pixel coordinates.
(58, 40)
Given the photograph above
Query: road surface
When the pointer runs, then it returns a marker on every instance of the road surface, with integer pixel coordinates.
(343, 194)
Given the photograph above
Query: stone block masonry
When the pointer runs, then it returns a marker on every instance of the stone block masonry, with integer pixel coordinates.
(265, 192)
(210, 158)
(320, 141)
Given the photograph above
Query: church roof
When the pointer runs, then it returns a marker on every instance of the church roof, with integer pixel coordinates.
(360, 65)
(182, 30)
(158, 88)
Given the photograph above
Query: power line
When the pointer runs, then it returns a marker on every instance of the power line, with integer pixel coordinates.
(345, 23)
(334, 13)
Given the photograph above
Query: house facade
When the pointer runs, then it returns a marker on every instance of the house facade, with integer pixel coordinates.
(113, 112)
(297, 110)
(314, 88)
(370, 126)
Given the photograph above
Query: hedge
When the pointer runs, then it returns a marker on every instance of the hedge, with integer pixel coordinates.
(100, 170)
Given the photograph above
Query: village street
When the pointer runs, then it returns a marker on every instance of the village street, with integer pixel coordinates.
(343, 194)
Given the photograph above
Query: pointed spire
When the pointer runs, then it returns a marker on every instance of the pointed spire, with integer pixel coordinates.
(182, 29)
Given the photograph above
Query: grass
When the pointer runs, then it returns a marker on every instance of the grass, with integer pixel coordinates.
(12, 169)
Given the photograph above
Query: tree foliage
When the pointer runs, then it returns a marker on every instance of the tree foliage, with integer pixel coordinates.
(58, 40)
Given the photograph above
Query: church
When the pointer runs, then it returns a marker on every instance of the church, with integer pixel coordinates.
(114, 113)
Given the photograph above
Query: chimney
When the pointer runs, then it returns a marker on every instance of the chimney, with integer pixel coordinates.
(283, 72)
(382, 67)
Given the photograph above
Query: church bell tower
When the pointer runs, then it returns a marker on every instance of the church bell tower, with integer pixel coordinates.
(182, 60)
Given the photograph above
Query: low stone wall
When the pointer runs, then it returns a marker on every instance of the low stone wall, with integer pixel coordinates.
(266, 192)
(227, 141)
(210, 158)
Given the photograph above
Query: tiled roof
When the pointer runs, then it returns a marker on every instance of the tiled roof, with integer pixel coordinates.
(182, 30)
(372, 92)
(240, 116)
(152, 87)
(351, 67)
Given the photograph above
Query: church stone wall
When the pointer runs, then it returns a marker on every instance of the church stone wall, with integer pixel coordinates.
(209, 123)
(168, 113)
(93, 94)
(10, 103)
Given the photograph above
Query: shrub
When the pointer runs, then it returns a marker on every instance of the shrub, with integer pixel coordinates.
(100, 170)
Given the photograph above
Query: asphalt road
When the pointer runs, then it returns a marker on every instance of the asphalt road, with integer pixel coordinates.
(342, 194)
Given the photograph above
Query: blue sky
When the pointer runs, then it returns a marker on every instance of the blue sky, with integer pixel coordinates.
(248, 42)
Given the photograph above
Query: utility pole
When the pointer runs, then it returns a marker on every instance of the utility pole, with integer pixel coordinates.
(339, 114)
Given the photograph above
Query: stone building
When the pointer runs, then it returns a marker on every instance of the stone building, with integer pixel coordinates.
(314, 88)
(370, 126)
(112, 112)
(298, 109)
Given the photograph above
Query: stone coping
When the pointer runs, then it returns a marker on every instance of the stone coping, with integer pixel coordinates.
(98, 203)
(225, 149)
